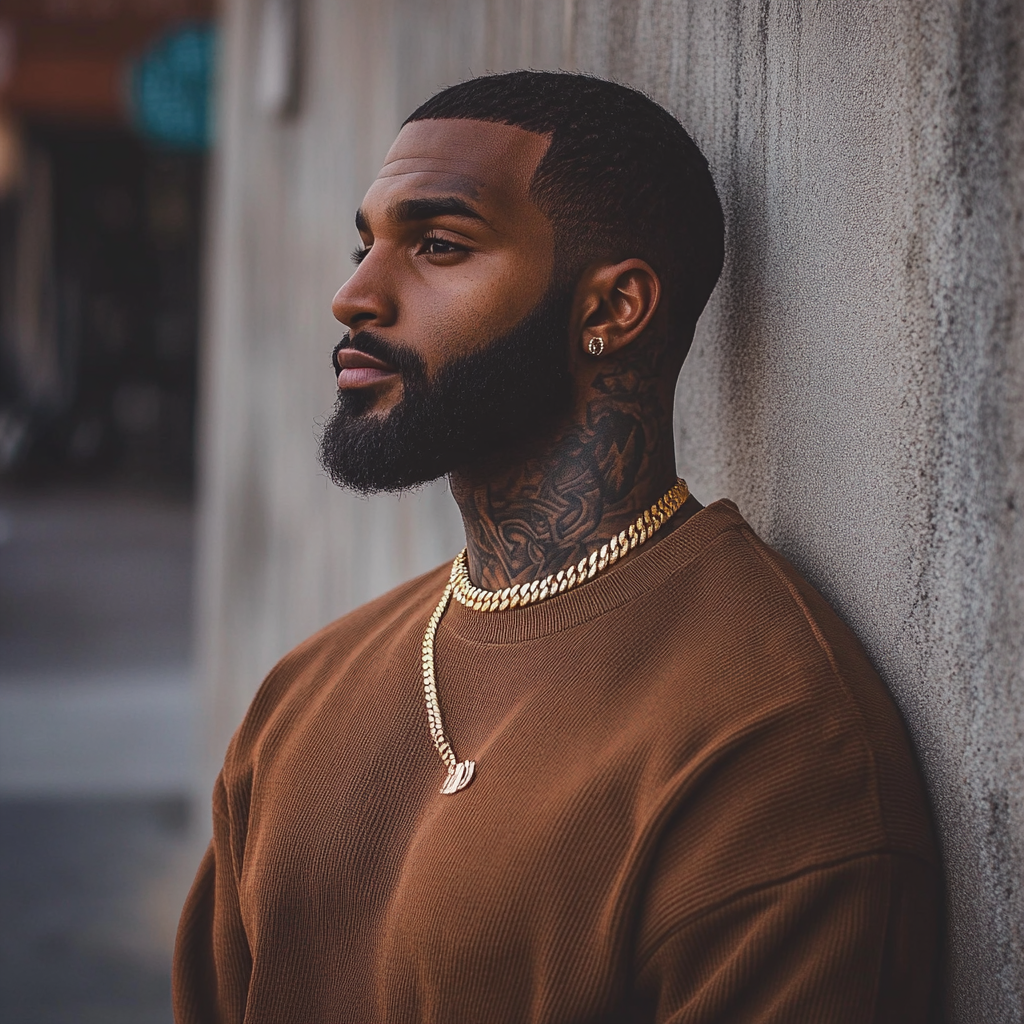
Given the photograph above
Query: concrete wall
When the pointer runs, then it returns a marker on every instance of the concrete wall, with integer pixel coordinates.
(856, 384)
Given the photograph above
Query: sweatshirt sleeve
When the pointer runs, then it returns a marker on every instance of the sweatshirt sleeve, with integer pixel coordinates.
(212, 960)
(848, 943)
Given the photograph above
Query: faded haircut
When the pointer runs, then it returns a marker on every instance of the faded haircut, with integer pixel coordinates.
(621, 178)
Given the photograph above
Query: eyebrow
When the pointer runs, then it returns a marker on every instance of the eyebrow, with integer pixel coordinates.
(425, 209)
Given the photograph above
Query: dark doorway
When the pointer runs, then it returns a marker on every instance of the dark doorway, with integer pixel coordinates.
(101, 312)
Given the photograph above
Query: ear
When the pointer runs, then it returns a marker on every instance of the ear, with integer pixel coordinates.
(613, 305)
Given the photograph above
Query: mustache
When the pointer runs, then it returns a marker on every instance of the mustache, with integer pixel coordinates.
(402, 358)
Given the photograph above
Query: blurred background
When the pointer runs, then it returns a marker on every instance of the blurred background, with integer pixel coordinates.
(105, 128)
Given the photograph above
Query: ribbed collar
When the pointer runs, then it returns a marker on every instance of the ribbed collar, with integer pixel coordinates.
(638, 574)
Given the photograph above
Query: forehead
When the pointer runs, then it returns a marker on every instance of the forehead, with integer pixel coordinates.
(490, 163)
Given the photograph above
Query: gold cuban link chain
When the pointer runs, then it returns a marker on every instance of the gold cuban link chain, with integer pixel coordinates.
(460, 773)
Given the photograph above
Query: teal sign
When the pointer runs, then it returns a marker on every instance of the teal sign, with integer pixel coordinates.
(171, 88)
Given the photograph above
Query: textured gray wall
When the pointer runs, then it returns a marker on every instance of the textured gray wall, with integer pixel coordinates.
(856, 385)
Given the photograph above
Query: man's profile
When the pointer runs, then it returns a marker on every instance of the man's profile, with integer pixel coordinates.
(618, 761)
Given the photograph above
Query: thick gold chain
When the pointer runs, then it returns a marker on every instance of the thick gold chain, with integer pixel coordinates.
(651, 521)
(460, 773)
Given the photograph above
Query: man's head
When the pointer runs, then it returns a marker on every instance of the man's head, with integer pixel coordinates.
(516, 216)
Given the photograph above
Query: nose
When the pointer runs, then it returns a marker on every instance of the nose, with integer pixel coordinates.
(363, 299)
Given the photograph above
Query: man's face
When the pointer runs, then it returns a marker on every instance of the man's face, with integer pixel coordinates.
(457, 343)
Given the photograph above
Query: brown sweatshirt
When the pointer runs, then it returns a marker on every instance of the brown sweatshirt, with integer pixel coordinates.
(694, 802)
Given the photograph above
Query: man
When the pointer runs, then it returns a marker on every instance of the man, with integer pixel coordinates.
(618, 763)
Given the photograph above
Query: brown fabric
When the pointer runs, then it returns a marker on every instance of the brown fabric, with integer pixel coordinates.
(694, 802)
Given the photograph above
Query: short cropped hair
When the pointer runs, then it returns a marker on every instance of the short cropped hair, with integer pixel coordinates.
(621, 177)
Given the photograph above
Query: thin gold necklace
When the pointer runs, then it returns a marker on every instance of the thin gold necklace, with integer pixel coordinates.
(460, 773)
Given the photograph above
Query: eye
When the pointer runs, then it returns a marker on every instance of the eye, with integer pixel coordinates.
(435, 245)
(359, 253)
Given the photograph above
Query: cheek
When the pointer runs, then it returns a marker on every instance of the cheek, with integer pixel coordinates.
(465, 312)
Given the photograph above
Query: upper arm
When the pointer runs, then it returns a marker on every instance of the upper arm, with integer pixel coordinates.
(847, 943)
(212, 959)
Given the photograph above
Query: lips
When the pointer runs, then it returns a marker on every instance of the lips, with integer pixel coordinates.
(357, 369)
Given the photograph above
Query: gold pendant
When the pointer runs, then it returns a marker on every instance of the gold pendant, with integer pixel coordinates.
(459, 777)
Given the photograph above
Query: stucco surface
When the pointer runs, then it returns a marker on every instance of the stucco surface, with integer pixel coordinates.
(856, 384)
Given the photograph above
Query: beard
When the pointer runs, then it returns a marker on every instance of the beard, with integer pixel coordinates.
(497, 398)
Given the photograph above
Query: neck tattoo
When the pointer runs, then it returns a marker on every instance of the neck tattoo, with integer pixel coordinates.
(461, 773)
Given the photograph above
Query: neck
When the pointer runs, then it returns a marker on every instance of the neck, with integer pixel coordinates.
(537, 512)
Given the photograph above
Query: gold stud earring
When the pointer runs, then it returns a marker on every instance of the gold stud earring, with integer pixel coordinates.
(595, 346)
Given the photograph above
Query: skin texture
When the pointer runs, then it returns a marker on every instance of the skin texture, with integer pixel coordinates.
(436, 278)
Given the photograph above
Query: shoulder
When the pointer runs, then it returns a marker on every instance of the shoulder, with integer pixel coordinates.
(343, 648)
(789, 718)
(774, 634)
(781, 751)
